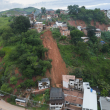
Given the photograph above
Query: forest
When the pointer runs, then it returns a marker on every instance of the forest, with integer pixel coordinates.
(22, 49)
(87, 15)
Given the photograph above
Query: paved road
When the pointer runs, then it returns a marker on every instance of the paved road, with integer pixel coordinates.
(6, 106)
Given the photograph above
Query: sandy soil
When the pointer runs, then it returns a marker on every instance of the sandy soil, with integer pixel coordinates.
(58, 66)
(6, 106)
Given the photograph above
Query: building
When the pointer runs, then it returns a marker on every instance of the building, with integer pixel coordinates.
(62, 11)
(73, 99)
(64, 31)
(104, 103)
(79, 28)
(44, 17)
(108, 14)
(85, 39)
(78, 94)
(69, 81)
(21, 101)
(108, 29)
(39, 26)
(56, 99)
(48, 16)
(89, 97)
(44, 83)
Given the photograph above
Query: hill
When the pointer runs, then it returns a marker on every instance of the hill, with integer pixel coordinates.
(27, 10)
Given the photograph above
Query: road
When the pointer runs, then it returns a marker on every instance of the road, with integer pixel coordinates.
(6, 106)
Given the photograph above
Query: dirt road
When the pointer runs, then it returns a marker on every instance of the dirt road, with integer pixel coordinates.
(58, 66)
(6, 106)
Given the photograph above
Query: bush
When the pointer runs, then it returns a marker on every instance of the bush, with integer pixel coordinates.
(2, 53)
(13, 80)
(63, 37)
(5, 87)
(47, 95)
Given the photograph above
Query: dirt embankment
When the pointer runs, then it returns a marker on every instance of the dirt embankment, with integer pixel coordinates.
(76, 23)
(58, 66)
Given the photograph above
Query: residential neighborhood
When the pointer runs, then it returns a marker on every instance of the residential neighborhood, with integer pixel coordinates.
(55, 59)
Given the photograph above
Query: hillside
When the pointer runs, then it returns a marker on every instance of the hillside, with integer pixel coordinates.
(27, 10)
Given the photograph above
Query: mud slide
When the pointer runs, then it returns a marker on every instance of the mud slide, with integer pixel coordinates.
(58, 66)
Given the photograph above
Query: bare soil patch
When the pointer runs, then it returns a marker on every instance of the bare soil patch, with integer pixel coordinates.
(58, 66)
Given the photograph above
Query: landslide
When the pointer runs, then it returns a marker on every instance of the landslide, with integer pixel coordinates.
(58, 65)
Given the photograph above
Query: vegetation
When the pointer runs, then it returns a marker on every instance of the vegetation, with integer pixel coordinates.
(24, 51)
(20, 24)
(47, 95)
(87, 15)
(43, 10)
(87, 60)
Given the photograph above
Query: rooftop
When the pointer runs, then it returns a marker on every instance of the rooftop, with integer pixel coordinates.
(105, 105)
(75, 100)
(71, 107)
(67, 77)
(56, 92)
(90, 97)
(73, 93)
(44, 80)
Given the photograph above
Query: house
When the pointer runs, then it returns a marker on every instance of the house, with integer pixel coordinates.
(62, 11)
(69, 81)
(44, 83)
(79, 27)
(89, 97)
(98, 34)
(56, 99)
(104, 103)
(48, 16)
(108, 13)
(39, 26)
(108, 29)
(78, 94)
(73, 99)
(21, 101)
(44, 17)
(85, 39)
(54, 26)
(55, 15)
(64, 31)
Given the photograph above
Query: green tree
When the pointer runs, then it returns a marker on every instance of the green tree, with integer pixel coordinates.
(20, 24)
(13, 80)
(43, 10)
(47, 95)
(76, 36)
(5, 87)
(58, 11)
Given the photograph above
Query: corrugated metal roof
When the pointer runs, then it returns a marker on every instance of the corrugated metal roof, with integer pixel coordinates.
(105, 105)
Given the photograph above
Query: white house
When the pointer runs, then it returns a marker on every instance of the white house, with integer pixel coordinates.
(85, 39)
(44, 83)
(21, 101)
(104, 103)
(89, 98)
(79, 27)
(108, 14)
(61, 24)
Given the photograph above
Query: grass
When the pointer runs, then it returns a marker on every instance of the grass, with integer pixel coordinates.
(4, 22)
(38, 97)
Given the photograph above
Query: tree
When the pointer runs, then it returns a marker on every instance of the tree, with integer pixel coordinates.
(5, 87)
(76, 36)
(105, 48)
(73, 9)
(20, 24)
(91, 33)
(13, 80)
(43, 10)
(46, 97)
(58, 11)
(81, 49)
